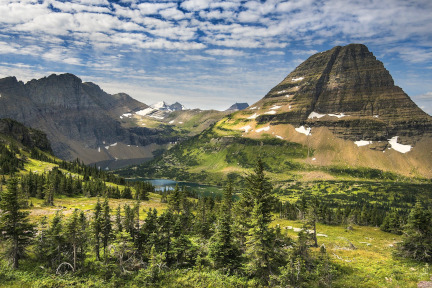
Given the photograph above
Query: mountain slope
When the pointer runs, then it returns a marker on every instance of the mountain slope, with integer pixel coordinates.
(340, 106)
(80, 119)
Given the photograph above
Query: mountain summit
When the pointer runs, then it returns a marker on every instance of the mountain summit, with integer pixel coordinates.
(79, 118)
(349, 91)
(339, 109)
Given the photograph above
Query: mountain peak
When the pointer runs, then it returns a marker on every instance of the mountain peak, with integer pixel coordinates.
(347, 81)
(238, 107)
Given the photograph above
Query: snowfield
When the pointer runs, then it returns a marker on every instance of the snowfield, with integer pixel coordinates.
(362, 143)
(303, 130)
(399, 147)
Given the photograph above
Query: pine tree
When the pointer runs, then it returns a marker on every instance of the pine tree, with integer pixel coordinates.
(222, 250)
(97, 228)
(262, 260)
(311, 220)
(106, 226)
(417, 240)
(14, 224)
(119, 226)
(76, 236)
(175, 199)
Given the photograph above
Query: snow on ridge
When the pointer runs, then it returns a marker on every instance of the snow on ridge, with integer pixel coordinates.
(114, 144)
(288, 96)
(253, 108)
(362, 143)
(171, 122)
(272, 112)
(106, 147)
(280, 137)
(255, 115)
(399, 147)
(375, 116)
(297, 79)
(275, 107)
(315, 115)
(267, 128)
(246, 128)
(340, 115)
(145, 111)
(318, 115)
(98, 149)
(303, 130)
(157, 117)
(283, 91)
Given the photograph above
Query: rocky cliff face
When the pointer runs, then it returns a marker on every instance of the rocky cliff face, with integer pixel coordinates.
(349, 91)
(80, 119)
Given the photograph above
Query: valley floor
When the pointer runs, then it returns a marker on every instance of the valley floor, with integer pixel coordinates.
(363, 257)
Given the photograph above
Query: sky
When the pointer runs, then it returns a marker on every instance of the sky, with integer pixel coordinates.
(209, 54)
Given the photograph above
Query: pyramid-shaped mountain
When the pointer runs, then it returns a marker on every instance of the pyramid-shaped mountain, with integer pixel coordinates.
(349, 91)
(337, 110)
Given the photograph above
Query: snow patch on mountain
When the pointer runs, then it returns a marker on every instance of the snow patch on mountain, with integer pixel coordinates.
(297, 79)
(246, 128)
(315, 115)
(362, 143)
(145, 111)
(267, 128)
(255, 115)
(399, 147)
(318, 115)
(304, 130)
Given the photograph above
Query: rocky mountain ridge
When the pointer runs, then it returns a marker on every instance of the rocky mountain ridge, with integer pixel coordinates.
(349, 91)
(337, 111)
(79, 118)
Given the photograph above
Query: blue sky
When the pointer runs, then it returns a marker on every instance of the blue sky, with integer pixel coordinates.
(209, 54)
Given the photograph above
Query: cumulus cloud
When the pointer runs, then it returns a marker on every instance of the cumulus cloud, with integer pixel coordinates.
(225, 52)
(76, 32)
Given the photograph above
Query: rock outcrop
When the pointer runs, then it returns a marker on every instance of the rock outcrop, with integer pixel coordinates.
(80, 119)
(238, 107)
(349, 91)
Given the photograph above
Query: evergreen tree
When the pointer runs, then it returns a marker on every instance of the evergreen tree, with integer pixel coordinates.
(222, 250)
(106, 226)
(311, 220)
(392, 223)
(76, 236)
(417, 240)
(175, 199)
(14, 224)
(119, 226)
(262, 260)
(97, 228)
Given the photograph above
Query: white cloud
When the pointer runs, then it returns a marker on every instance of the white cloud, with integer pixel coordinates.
(195, 5)
(153, 8)
(172, 13)
(426, 96)
(225, 52)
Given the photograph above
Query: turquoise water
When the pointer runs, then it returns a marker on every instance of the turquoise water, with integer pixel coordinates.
(166, 184)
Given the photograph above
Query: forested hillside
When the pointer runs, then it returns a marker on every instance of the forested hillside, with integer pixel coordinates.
(66, 224)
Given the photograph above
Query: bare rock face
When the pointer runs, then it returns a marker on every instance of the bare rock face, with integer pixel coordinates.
(72, 113)
(349, 91)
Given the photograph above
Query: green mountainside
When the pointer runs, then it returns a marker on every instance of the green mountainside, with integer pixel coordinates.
(338, 115)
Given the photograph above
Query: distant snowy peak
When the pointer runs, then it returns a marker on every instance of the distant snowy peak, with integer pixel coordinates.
(176, 107)
(160, 105)
(163, 106)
